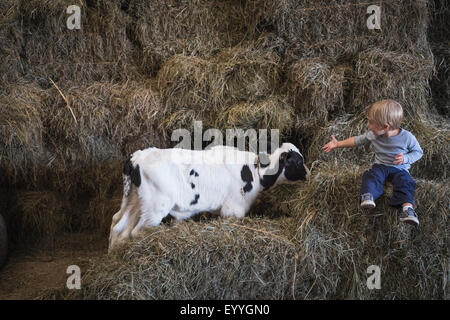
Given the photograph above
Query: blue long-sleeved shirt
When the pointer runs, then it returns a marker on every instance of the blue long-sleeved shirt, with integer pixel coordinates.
(386, 149)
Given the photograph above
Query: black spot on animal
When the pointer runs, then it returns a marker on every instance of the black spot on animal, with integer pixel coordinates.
(193, 202)
(247, 177)
(193, 172)
(269, 180)
(132, 172)
(192, 185)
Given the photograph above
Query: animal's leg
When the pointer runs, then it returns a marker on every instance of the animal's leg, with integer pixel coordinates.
(125, 220)
(153, 210)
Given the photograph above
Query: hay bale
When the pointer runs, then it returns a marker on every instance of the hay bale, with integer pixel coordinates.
(433, 135)
(61, 127)
(194, 88)
(317, 89)
(231, 76)
(104, 120)
(99, 51)
(199, 261)
(342, 127)
(339, 30)
(70, 199)
(399, 76)
(38, 215)
(271, 113)
(21, 129)
(166, 28)
(185, 81)
(326, 211)
(320, 250)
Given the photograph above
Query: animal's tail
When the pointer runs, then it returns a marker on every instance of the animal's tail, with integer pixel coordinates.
(131, 175)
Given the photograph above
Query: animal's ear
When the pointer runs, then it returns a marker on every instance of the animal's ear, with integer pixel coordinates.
(283, 157)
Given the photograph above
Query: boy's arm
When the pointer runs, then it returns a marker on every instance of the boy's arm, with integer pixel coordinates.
(333, 144)
(415, 152)
(347, 143)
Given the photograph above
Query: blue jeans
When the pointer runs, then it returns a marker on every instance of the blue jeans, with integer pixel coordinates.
(404, 186)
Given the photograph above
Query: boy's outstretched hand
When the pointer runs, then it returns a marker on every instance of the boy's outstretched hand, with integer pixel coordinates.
(330, 145)
(398, 159)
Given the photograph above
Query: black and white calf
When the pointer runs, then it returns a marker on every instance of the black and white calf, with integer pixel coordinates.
(180, 182)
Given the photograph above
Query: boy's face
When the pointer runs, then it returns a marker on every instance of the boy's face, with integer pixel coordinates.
(376, 128)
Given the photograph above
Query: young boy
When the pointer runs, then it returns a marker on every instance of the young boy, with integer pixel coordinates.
(395, 150)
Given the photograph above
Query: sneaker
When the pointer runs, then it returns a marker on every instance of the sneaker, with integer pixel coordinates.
(367, 201)
(408, 215)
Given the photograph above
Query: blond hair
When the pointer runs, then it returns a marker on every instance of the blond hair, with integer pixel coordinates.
(386, 112)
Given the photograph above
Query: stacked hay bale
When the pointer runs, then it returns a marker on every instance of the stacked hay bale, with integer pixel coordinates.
(46, 48)
(73, 137)
(75, 103)
(401, 76)
(339, 29)
(237, 87)
(162, 29)
(317, 92)
(21, 128)
(320, 249)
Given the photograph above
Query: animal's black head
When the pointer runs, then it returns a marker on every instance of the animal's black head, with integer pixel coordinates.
(293, 163)
(294, 167)
(289, 167)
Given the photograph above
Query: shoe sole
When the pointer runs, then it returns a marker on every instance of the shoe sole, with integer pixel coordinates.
(413, 222)
(368, 205)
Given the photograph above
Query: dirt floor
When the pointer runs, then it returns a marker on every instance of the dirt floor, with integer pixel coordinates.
(32, 270)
